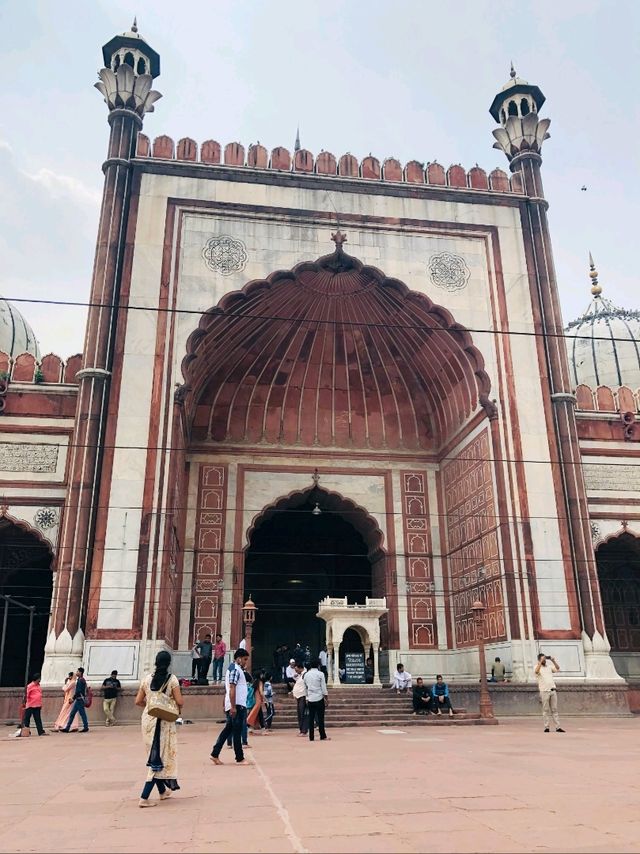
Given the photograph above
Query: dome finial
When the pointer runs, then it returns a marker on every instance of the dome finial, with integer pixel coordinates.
(512, 73)
(596, 289)
(134, 26)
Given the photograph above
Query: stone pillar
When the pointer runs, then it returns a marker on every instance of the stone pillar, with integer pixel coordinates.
(521, 140)
(128, 97)
(330, 664)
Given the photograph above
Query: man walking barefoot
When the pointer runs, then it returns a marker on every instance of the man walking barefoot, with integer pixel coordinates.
(547, 686)
(235, 708)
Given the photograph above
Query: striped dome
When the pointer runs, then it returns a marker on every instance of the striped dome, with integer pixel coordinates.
(16, 336)
(604, 346)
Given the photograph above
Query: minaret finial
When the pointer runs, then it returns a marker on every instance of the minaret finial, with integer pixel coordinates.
(134, 26)
(512, 73)
(297, 145)
(596, 289)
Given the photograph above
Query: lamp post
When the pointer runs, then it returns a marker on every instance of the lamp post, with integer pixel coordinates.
(249, 615)
(486, 706)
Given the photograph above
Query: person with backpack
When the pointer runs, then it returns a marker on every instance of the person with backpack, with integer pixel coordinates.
(82, 699)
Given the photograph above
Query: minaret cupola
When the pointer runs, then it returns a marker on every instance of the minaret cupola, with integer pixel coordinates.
(131, 49)
(516, 98)
(130, 67)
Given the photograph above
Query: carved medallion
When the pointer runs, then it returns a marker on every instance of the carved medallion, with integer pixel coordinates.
(46, 518)
(225, 255)
(448, 271)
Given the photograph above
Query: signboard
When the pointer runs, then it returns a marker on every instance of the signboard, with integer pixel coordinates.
(354, 667)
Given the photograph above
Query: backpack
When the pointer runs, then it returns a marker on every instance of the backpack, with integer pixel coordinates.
(88, 697)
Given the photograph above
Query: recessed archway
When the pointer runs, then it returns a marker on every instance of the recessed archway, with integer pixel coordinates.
(618, 562)
(26, 577)
(331, 353)
(296, 557)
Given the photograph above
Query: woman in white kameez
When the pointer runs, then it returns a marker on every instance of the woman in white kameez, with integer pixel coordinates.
(160, 737)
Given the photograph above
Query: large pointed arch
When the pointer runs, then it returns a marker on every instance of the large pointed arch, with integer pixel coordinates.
(331, 353)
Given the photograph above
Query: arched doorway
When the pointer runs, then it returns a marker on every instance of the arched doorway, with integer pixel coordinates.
(25, 577)
(618, 563)
(296, 557)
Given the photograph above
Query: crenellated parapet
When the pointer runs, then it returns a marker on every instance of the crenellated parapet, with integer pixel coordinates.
(49, 369)
(370, 168)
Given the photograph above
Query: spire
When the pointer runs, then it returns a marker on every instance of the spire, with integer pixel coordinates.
(134, 26)
(297, 145)
(512, 73)
(596, 289)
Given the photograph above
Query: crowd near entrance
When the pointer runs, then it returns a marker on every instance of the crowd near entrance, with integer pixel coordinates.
(26, 583)
(298, 554)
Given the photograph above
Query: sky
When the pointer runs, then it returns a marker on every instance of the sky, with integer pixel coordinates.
(411, 79)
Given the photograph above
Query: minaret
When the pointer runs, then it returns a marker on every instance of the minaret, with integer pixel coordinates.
(125, 82)
(521, 135)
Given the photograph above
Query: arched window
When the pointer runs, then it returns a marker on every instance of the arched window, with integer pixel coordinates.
(524, 107)
(513, 108)
(128, 58)
(142, 66)
(116, 62)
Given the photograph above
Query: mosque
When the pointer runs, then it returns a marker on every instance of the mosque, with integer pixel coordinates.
(306, 376)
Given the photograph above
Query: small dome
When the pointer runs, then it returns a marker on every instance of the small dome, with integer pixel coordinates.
(16, 336)
(604, 344)
(514, 81)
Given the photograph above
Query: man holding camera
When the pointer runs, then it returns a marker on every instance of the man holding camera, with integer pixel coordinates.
(545, 668)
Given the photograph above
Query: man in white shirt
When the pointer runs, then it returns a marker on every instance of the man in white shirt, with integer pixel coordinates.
(317, 697)
(235, 707)
(300, 695)
(544, 670)
(290, 675)
(401, 680)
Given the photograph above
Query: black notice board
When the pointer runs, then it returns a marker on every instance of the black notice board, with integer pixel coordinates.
(354, 667)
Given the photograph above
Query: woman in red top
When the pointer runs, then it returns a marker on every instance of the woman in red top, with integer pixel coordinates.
(33, 706)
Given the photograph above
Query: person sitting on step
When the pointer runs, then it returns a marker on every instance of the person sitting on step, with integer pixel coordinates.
(440, 697)
(402, 680)
(421, 698)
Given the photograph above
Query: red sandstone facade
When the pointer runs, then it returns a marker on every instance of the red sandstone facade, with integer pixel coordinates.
(240, 368)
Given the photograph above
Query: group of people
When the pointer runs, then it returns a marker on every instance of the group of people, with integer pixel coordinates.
(425, 700)
(248, 703)
(202, 655)
(77, 698)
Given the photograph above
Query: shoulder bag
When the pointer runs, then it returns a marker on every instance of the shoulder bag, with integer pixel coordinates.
(161, 705)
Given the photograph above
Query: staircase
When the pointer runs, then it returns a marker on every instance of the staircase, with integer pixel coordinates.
(367, 705)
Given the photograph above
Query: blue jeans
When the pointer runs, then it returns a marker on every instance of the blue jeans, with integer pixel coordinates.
(217, 669)
(78, 708)
(233, 727)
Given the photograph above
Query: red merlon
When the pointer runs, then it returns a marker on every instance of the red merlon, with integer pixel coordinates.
(187, 149)
(347, 166)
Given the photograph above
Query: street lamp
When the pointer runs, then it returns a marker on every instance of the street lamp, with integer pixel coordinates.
(249, 615)
(486, 707)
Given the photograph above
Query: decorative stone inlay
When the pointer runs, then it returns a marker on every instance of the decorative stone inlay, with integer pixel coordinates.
(225, 255)
(612, 477)
(595, 531)
(20, 456)
(46, 518)
(448, 271)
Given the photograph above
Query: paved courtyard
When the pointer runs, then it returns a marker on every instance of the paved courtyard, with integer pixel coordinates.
(468, 789)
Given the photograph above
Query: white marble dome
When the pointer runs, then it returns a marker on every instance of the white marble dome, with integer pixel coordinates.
(16, 336)
(604, 345)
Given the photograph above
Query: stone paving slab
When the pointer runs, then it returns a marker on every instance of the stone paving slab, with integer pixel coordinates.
(504, 789)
